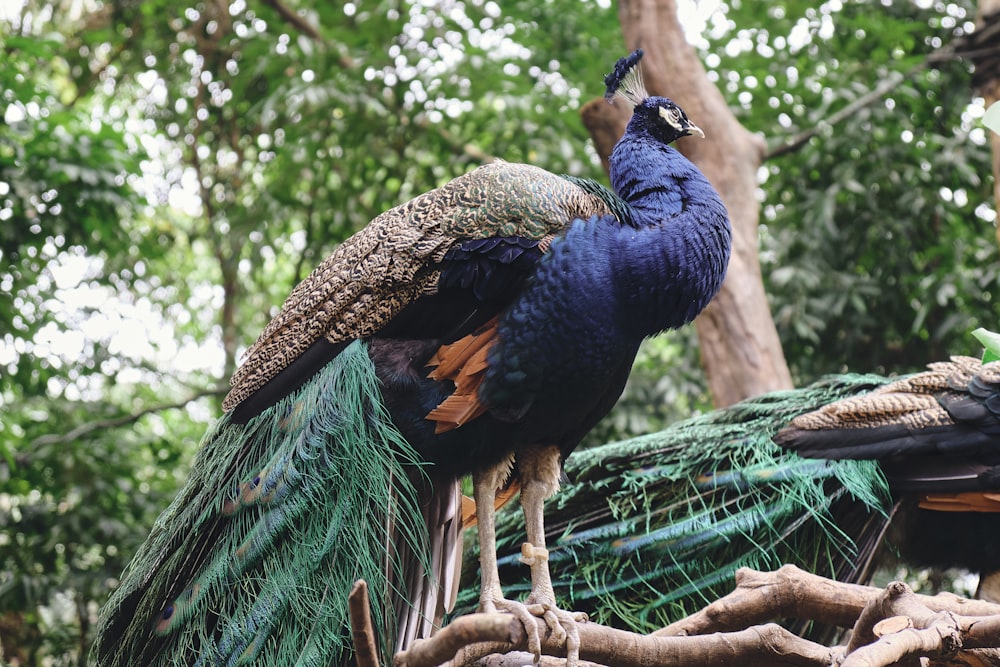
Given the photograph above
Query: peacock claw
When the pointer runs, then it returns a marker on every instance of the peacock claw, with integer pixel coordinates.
(527, 618)
(563, 626)
(541, 603)
(560, 623)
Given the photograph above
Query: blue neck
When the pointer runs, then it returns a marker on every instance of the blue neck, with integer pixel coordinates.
(658, 182)
(671, 266)
(609, 282)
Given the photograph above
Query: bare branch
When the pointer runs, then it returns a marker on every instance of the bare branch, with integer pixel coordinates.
(124, 420)
(892, 626)
(294, 20)
(788, 592)
(769, 644)
(886, 631)
(887, 86)
(949, 51)
(465, 630)
(457, 146)
(520, 659)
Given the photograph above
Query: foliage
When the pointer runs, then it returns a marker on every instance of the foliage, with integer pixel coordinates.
(877, 245)
(991, 344)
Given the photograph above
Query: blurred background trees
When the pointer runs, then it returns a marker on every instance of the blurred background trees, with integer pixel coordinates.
(168, 171)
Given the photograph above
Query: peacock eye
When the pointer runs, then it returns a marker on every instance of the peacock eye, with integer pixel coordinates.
(672, 116)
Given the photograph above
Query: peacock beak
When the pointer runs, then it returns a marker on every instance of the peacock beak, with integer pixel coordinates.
(694, 130)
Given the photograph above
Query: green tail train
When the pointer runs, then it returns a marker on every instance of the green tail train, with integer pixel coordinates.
(253, 561)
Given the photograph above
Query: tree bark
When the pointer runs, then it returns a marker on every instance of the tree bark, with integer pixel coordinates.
(740, 349)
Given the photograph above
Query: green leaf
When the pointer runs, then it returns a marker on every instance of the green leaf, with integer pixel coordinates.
(991, 118)
(990, 341)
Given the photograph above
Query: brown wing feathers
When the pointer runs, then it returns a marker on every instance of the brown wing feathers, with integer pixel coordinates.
(937, 434)
(912, 403)
(375, 274)
(968, 501)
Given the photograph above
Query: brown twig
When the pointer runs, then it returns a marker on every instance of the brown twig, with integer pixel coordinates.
(362, 632)
(294, 20)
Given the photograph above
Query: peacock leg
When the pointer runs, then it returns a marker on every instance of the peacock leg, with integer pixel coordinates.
(484, 486)
(539, 469)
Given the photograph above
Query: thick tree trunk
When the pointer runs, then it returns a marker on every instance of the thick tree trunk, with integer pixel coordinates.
(740, 348)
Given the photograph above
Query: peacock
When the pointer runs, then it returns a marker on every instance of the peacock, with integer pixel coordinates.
(653, 528)
(479, 329)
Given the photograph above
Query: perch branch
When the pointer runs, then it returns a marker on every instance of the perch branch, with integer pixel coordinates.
(892, 626)
(463, 631)
(520, 659)
(793, 593)
(769, 644)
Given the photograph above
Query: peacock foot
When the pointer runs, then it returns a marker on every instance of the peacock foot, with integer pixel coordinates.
(541, 603)
(561, 624)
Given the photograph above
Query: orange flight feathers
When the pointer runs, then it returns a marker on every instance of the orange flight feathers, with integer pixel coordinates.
(464, 362)
(972, 501)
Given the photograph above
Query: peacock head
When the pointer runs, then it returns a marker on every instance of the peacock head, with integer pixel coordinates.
(659, 117)
(663, 120)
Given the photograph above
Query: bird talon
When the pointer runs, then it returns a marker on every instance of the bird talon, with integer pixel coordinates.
(562, 624)
(554, 623)
(527, 618)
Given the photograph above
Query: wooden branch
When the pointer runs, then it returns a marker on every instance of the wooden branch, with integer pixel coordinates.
(362, 632)
(465, 630)
(769, 644)
(345, 62)
(294, 20)
(949, 51)
(792, 144)
(793, 593)
(522, 658)
(892, 626)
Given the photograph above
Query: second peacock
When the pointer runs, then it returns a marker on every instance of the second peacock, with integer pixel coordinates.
(483, 327)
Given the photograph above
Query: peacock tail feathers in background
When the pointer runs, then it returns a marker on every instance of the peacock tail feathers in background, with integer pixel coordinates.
(651, 529)
(255, 558)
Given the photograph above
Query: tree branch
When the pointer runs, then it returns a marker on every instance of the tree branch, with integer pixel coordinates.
(124, 420)
(892, 626)
(458, 146)
(949, 51)
(294, 20)
(766, 644)
(799, 140)
(790, 592)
